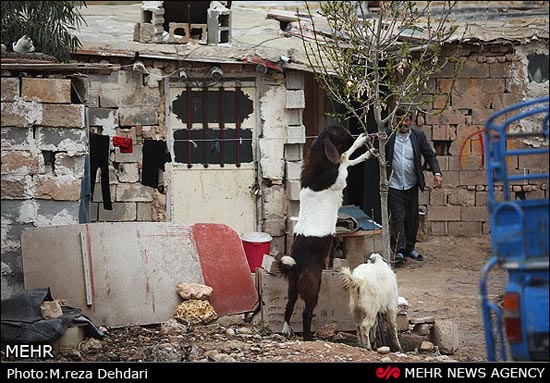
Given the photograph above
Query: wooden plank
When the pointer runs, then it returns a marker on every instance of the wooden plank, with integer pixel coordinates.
(86, 265)
(360, 233)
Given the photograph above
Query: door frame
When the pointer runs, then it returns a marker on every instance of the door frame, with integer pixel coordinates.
(246, 79)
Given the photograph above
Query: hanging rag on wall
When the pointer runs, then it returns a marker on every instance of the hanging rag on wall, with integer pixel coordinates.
(99, 159)
(155, 155)
(124, 143)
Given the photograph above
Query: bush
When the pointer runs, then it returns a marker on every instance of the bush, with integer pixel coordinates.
(48, 23)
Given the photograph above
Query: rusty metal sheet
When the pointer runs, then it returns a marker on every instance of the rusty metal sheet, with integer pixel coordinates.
(133, 269)
(225, 268)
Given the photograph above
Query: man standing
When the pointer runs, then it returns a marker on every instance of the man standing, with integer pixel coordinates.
(404, 169)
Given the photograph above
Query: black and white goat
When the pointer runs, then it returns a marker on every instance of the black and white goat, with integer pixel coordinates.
(323, 180)
(373, 290)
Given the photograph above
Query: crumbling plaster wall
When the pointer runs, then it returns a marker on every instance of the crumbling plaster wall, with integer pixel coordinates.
(127, 103)
(133, 104)
(39, 189)
(43, 153)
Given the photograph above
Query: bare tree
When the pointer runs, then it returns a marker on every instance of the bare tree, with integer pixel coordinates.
(378, 61)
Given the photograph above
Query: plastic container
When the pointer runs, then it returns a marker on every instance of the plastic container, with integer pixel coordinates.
(256, 244)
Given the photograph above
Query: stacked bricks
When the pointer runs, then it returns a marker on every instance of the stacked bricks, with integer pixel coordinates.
(44, 145)
(486, 83)
(216, 31)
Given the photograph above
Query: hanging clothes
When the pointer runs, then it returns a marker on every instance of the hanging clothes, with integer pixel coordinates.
(99, 159)
(155, 155)
(124, 143)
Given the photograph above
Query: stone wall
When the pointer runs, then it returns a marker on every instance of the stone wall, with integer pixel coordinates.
(43, 155)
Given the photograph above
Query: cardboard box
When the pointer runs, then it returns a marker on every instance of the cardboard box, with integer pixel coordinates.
(332, 307)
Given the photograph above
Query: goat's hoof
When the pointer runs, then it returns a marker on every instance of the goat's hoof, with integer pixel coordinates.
(287, 331)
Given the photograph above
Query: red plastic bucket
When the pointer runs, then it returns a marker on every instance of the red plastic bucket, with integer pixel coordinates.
(255, 245)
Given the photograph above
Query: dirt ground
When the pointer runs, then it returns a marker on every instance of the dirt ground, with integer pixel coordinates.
(445, 286)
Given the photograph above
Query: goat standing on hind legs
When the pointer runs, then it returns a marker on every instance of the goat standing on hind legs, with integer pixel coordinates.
(323, 180)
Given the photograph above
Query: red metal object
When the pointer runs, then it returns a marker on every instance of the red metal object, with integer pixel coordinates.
(225, 269)
(268, 64)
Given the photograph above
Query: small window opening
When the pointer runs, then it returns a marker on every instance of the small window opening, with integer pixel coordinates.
(441, 148)
(537, 68)
(49, 161)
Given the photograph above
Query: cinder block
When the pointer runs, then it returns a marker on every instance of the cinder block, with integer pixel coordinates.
(219, 26)
(102, 116)
(293, 190)
(465, 229)
(16, 138)
(293, 170)
(294, 80)
(71, 338)
(174, 38)
(478, 214)
(461, 197)
(10, 88)
(438, 228)
(133, 192)
(137, 115)
(198, 32)
(19, 162)
(295, 116)
(443, 213)
(21, 114)
(16, 187)
(295, 99)
(444, 335)
(144, 212)
(61, 140)
(296, 134)
(122, 211)
(61, 188)
(62, 116)
(48, 90)
(293, 152)
(143, 32)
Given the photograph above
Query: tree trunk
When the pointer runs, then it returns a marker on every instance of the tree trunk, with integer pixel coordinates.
(386, 248)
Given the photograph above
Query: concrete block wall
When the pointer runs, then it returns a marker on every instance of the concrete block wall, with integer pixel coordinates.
(130, 104)
(490, 78)
(44, 145)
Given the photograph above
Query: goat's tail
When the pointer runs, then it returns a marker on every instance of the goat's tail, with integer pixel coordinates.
(286, 265)
(349, 281)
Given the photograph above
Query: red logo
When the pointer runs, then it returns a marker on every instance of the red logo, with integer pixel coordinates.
(389, 372)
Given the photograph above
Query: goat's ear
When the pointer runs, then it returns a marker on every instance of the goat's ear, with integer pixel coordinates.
(331, 152)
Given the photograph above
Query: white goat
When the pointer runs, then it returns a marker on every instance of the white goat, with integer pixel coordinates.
(373, 290)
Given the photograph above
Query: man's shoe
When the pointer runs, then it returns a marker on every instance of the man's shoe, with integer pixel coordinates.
(416, 255)
(399, 259)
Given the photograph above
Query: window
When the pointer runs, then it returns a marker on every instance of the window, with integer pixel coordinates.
(213, 124)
